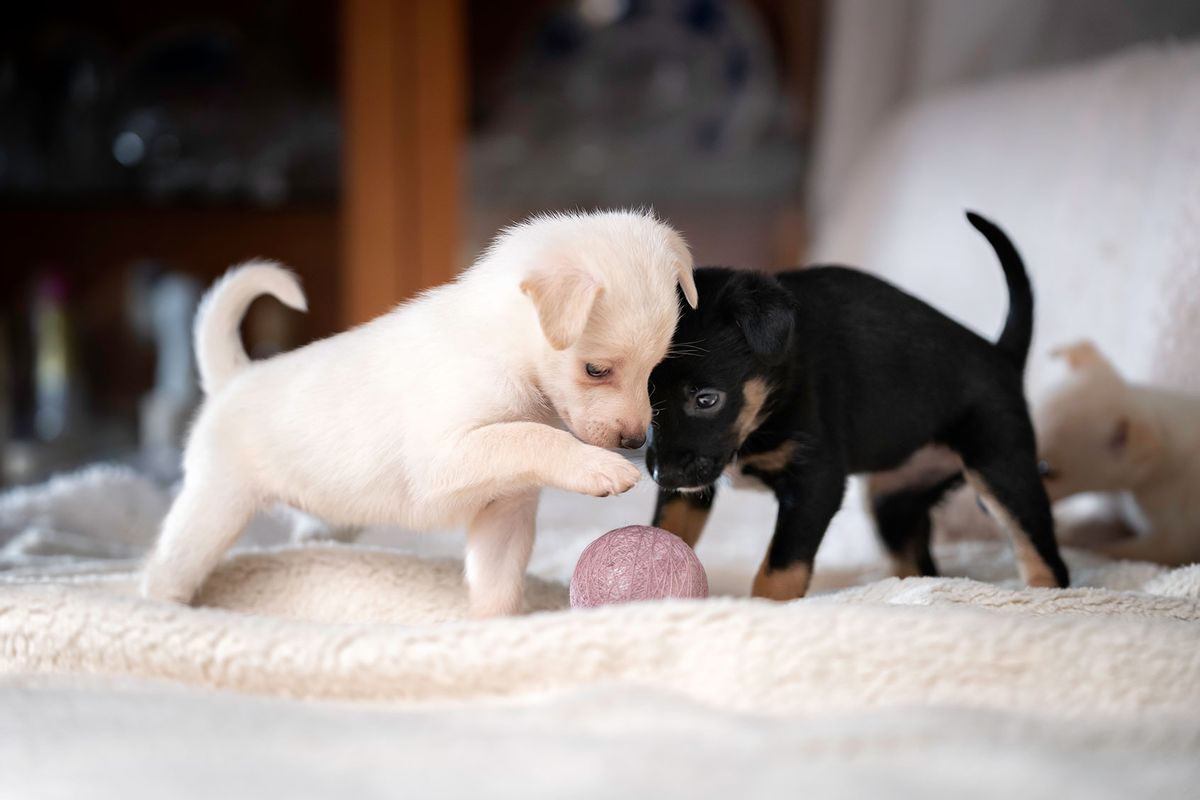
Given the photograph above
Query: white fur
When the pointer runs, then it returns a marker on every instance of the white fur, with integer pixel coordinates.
(219, 350)
(444, 411)
(1141, 444)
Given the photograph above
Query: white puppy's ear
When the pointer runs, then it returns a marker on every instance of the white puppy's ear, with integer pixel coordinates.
(687, 283)
(563, 297)
(1083, 355)
(682, 257)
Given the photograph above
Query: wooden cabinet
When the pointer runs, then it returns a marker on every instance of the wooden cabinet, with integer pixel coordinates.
(403, 116)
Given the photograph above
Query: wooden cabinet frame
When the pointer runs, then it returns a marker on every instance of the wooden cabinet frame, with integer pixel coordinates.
(404, 100)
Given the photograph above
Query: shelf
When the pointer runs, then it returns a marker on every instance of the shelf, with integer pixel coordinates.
(89, 244)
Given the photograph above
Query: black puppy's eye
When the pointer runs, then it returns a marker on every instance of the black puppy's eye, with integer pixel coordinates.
(1046, 471)
(705, 401)
(594, 371)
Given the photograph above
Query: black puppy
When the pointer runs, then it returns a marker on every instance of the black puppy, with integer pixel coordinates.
(810, 376)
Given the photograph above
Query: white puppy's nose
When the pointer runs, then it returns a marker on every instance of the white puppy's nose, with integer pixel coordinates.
(632, 441)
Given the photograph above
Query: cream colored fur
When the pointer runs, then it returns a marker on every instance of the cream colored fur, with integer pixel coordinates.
(443, 412)
(1099, 433)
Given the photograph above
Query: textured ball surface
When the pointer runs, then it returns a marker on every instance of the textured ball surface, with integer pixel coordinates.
(636, 562)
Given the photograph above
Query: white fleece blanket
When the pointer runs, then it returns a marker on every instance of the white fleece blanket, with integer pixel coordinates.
(931, 685)
(359, 624)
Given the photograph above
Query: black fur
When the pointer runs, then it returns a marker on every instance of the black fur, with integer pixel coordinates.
(860, 375)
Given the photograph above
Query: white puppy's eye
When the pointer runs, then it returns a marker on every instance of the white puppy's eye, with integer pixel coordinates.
(595, 371)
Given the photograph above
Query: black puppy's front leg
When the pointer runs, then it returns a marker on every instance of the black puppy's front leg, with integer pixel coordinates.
(809, 496)
(683, 514)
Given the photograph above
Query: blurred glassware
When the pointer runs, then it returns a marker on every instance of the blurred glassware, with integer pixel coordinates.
(195, 112)
(56, 399)
(619, 101)
(205, 115)
(56, 432)
(55, 102)
(162, 307)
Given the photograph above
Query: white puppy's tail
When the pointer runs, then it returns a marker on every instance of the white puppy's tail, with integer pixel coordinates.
(219, 351)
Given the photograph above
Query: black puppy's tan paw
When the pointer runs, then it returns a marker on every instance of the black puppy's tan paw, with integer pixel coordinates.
(784, 584)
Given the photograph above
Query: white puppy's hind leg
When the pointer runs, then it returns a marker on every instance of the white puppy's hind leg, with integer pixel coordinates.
(499, 542)
(202, 524)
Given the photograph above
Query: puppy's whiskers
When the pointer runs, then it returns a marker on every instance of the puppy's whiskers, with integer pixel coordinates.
(690, 349)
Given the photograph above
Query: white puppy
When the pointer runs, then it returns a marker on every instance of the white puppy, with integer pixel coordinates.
(1099, 433)
(441, 412)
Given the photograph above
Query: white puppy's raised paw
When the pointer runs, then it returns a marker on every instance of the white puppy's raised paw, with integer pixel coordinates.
(602, 474)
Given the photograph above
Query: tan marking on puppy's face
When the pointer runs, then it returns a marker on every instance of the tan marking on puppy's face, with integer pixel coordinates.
(683, 519)
(782, 584)
(1034, 571)
(754, 397)
(773, 460)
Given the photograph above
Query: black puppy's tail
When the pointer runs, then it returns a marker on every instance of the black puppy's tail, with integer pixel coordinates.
(1017, 335)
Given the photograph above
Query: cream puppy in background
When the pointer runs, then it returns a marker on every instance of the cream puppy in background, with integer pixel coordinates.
(445, 411)
(1097, 433)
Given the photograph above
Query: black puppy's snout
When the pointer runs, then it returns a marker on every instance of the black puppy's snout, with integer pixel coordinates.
(682, 469)
(670, 476)
(633, 441)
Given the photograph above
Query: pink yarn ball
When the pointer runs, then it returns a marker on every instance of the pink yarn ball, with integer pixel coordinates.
(636, 562)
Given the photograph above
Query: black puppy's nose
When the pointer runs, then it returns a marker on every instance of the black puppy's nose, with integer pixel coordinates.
(633, 442)
(702, 467)
(669, 476)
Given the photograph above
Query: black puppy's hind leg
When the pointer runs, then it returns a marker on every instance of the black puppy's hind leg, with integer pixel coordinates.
(903, 520)
(683, 514)
(1003, 470)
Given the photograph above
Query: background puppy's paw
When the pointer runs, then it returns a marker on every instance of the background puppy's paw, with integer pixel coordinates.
(603, 474)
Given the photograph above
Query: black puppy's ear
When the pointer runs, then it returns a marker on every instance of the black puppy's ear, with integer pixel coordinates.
(765, 312)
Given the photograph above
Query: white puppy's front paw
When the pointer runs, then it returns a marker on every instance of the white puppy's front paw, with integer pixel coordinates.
(603, 473)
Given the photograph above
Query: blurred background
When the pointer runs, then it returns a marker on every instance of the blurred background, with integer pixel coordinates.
(376, 146)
